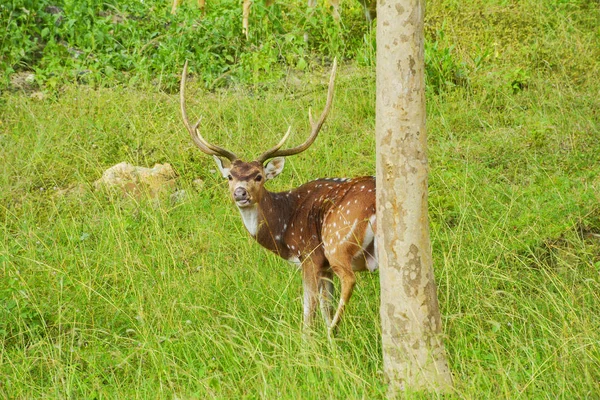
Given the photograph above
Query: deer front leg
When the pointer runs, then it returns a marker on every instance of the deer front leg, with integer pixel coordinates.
(311, 293)
(326, 296)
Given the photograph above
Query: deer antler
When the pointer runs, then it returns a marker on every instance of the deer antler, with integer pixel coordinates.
(316, 127)
(202, 144)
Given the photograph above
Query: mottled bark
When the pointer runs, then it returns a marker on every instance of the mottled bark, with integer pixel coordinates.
(413, 351)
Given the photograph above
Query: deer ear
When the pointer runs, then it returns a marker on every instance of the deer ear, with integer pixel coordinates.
(274, 167)
(224, 166)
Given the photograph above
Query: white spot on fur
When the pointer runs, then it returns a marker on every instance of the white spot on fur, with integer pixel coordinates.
(351, 232)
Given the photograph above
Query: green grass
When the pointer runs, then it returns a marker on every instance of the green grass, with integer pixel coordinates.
(103, 296)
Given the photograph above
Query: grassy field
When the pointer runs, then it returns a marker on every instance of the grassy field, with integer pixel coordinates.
(104, 296)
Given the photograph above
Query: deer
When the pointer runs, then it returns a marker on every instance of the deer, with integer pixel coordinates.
(324, 227)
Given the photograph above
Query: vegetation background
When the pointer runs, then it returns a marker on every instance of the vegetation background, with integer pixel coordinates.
(106, 296)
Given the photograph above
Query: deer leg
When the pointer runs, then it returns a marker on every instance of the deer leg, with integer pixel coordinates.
(326, 297)
(311, 293)
(347, 280)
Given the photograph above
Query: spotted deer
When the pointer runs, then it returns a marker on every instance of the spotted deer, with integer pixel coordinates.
(325, 227)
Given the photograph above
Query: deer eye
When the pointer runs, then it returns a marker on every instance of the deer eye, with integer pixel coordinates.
(258, 178)
(230, 177)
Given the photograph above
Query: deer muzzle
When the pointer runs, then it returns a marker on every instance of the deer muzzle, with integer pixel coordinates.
(240, 195)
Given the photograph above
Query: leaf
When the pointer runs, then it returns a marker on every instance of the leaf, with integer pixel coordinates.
(301, 64)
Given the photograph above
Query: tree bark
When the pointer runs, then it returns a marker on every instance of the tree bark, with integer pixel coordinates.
(414, 357)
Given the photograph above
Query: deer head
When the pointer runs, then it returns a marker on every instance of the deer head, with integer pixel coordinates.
(247, 179)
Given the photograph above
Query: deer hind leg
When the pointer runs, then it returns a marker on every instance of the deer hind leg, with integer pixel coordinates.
(343, 240)
(342, 267)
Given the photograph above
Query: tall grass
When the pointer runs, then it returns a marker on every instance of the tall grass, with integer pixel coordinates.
(105, 296)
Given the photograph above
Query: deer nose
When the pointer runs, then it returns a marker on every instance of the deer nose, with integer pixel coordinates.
(240, 194)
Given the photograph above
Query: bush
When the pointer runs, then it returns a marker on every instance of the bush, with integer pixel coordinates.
(107, 42)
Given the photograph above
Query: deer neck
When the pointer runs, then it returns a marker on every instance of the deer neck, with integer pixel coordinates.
(250, 217)
(268, 220)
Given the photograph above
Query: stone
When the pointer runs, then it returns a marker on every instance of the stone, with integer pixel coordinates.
(136, 181)
(198, 184)
(178, 196)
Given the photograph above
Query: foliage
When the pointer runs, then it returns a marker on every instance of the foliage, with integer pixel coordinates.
(442, 69)
(104, 42)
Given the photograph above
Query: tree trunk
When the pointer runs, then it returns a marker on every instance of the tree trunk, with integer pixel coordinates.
(414, 357)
